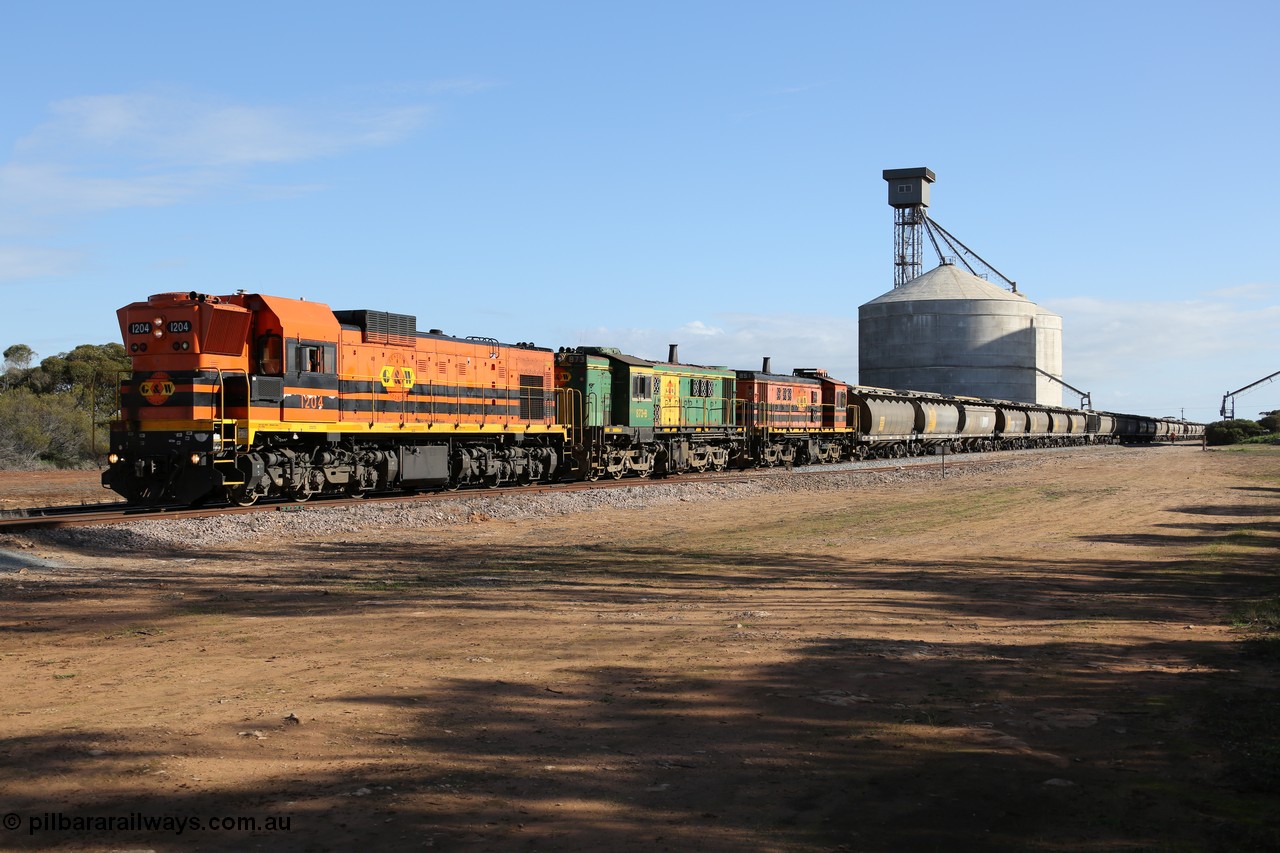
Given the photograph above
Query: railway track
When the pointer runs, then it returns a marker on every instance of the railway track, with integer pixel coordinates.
(35, 518)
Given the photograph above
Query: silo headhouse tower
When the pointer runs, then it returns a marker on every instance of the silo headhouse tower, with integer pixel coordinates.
(948, 330)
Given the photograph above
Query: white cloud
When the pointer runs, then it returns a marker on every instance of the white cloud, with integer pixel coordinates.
(52, 189)
(1142, 356)
(103, 152)
(1246, 291)
(1156, 357)
(27, 262)
(740, 340)
(1152, 332)
(697, 327)
(460, 86)
(175, 130)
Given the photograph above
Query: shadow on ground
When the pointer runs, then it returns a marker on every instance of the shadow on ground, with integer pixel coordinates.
(849, 742)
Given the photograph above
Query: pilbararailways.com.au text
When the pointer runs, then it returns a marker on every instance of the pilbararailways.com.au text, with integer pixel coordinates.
(47, 822)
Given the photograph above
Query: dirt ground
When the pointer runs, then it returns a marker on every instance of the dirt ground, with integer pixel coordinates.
(1049, 657)
(22, 489)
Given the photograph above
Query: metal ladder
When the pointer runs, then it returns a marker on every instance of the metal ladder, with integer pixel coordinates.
(225, 429)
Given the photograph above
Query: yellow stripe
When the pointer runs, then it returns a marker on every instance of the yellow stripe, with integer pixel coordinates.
(413, 429)
(356, 428)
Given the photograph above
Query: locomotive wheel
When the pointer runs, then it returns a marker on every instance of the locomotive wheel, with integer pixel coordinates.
(593, 475)
(617, 475)
(239, 497)
(299, 497)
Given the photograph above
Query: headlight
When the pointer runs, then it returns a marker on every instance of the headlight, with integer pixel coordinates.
(195, 458)
(113, 458)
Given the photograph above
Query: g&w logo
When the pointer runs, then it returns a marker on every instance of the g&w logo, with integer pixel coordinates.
(157, 389)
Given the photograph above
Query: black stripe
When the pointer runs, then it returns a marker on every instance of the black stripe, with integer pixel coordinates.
(376, 388)
(180, 399)
(427, 410)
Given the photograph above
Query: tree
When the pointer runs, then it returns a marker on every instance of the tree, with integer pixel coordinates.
(51, 429)
(89, 372)
(17, 361)
(1232, 432)
(18, 357)
(48, 412)
(1270, 421)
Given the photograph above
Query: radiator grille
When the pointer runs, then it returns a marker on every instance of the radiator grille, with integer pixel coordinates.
(532, 400)
(228, 332)
(382, 327)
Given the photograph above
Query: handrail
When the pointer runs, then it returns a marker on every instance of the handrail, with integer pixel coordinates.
(119, 373)
(569, 412)
(220, 411)
(705, 406)
(770, 408)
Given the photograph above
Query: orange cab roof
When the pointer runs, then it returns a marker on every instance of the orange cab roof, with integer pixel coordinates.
(302, 319)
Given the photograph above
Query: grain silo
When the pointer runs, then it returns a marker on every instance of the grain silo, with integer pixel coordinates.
(949, 331)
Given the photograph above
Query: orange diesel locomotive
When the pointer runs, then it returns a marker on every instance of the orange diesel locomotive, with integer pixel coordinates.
(245, 396)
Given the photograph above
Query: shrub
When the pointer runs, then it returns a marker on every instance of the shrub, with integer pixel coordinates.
(43, 428)
(1232, 432)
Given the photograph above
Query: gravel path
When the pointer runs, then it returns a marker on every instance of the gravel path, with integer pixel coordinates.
(316, 521)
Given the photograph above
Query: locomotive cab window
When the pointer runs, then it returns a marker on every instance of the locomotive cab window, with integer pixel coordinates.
(642, 387)
(271, 355)
(313, 357)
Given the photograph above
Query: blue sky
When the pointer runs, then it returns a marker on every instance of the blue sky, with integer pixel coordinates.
(634, 174)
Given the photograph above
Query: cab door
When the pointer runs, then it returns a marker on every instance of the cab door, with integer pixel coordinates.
(669, 401)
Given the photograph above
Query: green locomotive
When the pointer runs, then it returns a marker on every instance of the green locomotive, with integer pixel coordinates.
(632, 416)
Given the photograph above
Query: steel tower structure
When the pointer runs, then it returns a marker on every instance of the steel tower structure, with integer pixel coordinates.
(909, 197)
